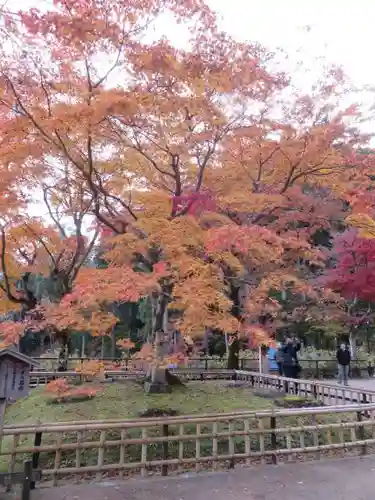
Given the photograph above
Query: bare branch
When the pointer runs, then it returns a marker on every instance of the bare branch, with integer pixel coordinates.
(50, 212)
(53, 260)
(79, 264)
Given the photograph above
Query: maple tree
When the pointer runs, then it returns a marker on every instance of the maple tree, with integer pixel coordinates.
(40, 259)
(206, 198)
(351, 274)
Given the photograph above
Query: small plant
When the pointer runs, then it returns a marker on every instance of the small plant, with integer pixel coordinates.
(62, 392)
(57, 387)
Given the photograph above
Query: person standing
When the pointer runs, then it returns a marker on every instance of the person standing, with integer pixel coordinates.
(291, 367)
(343, 357)
(279, 358)
(272, 364)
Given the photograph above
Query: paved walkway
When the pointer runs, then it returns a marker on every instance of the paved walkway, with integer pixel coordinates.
(361, 383)
(352, 478)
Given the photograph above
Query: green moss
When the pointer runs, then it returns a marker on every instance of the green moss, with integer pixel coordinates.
(119, 401)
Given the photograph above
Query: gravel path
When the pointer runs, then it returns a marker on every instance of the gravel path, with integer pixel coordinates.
(352, 478)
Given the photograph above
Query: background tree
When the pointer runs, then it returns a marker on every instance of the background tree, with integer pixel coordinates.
(41, 257)
(351, 274)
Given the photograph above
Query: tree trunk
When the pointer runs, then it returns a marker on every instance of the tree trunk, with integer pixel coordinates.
(63, 355)
(353, 345)
(159, 379)
(83, 346)
(226, 344)
(233, 355)
(113, 343)
(233, 343)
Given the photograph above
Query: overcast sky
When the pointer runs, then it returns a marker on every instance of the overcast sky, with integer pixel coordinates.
(342, 31)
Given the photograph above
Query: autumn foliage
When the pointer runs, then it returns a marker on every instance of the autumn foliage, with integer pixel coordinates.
(60, 391)
(203, 175)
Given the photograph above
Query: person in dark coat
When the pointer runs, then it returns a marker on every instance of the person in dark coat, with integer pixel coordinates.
(279, 358)
(291, 367)
(343, 357)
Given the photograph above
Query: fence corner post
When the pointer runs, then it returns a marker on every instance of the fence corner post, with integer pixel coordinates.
(273, 439)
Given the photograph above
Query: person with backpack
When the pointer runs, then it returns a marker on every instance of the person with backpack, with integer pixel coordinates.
(343, 357)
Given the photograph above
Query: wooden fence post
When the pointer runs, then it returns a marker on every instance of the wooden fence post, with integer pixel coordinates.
(315, 391)
(365, 402)
(164, 467)
(273, 439)
(28, 472)
(361, 433)
(36, 454)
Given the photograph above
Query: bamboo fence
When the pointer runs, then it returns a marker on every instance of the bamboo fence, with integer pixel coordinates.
(168, 445)
(149, 446)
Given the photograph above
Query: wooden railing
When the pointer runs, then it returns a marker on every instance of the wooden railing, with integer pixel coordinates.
(326, 393)
(38, 378)
(319, 368)
(165, 445)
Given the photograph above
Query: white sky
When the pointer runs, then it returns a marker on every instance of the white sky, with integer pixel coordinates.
(340, 32)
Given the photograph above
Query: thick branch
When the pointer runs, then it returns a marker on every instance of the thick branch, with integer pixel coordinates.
(6, 286)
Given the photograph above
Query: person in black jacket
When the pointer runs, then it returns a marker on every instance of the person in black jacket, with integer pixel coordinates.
(279, 358)
(291, 367)
(343, 360)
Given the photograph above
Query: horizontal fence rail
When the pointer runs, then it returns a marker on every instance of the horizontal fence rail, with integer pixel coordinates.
(201, 363)
(164, 445)
(39, 378)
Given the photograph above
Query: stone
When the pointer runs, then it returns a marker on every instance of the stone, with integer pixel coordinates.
(155, 388)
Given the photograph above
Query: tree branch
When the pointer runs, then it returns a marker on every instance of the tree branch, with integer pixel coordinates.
(6, 286)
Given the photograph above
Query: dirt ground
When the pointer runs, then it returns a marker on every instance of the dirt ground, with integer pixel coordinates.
(352, 478)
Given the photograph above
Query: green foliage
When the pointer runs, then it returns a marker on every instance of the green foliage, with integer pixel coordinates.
(41, 287)
(145, 314)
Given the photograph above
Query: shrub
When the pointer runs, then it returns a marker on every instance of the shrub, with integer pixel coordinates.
(61, 392)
